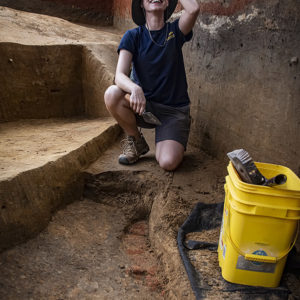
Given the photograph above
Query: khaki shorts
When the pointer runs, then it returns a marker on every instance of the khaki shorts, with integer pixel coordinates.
(175, 122)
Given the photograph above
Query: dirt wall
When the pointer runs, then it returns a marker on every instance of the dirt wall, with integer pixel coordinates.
(122, 14)
(98, 68)
(244, 80)
(54, 81)
(82, 11)
(40, 81)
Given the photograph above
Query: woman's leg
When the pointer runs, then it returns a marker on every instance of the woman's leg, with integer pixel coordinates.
(134, 145)
(119, 108)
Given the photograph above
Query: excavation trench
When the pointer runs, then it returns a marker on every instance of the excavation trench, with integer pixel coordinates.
(106, 232)
(64, 236)
(96, 248)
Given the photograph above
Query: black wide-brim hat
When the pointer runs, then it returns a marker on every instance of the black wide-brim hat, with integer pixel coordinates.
(138, 14)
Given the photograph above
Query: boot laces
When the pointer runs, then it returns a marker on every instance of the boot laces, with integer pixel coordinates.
(128, 147)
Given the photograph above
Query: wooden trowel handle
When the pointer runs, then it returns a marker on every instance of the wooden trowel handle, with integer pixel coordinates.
(127, 97)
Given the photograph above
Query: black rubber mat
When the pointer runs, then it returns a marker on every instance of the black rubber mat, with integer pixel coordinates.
(206, 217)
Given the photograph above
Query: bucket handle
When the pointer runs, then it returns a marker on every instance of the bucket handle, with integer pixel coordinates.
(259, 258)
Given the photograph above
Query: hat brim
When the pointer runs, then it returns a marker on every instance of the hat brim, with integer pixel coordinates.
(138, 14)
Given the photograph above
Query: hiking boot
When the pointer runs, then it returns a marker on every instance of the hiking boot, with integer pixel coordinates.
(132, 150)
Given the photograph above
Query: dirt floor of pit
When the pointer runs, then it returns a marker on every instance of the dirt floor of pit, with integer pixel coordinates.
(119, 241)
(99, 248)
(83, 254)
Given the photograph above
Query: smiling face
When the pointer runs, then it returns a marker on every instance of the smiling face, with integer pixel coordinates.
(155, 5)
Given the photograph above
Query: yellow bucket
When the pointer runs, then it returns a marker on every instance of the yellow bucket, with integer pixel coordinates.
(259, 228)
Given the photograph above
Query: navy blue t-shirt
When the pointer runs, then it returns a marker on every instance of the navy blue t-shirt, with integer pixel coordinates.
(159, 70)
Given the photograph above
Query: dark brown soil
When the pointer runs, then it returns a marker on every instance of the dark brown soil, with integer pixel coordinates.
(80, 11)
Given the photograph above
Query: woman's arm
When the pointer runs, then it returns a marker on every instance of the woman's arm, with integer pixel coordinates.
(137, 98)
(189, 16)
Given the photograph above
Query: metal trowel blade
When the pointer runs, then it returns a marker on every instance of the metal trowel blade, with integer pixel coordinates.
(150, 118)
(246, 167)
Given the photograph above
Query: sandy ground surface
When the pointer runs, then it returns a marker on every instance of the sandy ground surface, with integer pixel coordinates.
(29, 144)
(35, 29)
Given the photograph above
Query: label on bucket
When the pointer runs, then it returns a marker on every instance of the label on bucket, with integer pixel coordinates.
(248, 265)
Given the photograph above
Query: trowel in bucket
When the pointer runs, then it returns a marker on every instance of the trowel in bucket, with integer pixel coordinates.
(246, 168)
(147, 116)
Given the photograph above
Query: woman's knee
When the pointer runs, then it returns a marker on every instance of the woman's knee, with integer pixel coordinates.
(169, 154)
(112, 96)
(169, 163)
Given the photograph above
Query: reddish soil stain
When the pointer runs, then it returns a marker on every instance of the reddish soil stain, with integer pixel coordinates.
(219, 9)
(143, 265)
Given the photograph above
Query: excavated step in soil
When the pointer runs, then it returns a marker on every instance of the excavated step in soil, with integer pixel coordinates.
(89, 251)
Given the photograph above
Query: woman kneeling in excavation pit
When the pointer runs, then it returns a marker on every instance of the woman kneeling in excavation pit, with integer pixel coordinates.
(157, 82)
